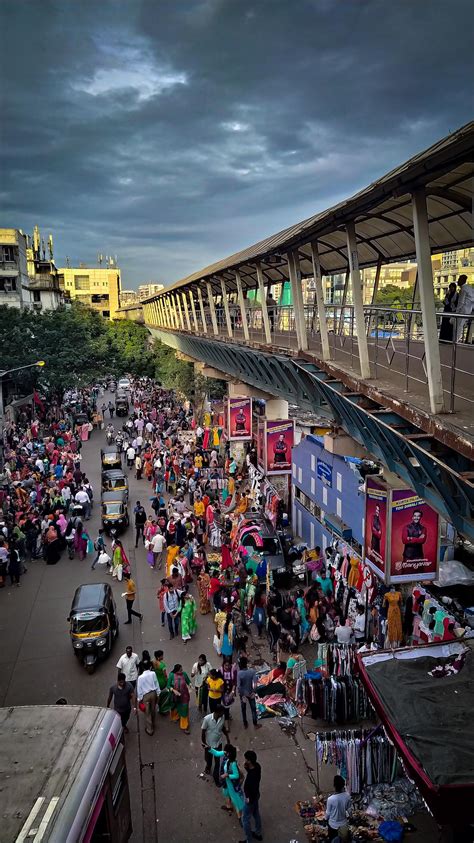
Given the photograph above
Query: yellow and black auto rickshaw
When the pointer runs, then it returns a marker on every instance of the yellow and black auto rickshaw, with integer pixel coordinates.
(122, 405)
(115, 511)
(110, 457)
(114, 480)
(93, 623)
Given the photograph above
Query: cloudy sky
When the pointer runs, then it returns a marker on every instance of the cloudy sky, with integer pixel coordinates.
(175, 132)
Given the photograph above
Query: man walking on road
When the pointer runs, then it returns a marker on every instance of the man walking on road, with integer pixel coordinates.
(123, 695)
(246, 678)
(212, 731)
(130, 595)
(128, 665)
(140, 520)
(171, 607)
(158, 548)
(130, 456)
(99, 547)
(147, 691)
(252, 796)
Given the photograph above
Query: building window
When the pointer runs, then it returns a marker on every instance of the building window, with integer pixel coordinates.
(8, 285)
(36, 296)
(8, 254)
(81, 282)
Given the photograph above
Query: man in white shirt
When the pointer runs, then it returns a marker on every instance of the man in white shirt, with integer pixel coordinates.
(128, 664)
(465, 305)
(213, 731)
(158, 547)
(337, 810)
(130, 455)
(147, 691)
(343, 633)
(359, 626)
(83, 498)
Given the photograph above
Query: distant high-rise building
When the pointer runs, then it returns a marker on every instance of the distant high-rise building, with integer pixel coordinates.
(128, 297)
(145, 291)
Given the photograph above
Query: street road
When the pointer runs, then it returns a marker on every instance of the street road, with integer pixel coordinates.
(170, 801)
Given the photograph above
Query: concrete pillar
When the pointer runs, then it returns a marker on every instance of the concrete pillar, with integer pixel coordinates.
(203, 313)
(428, 310)
(263, 300)
(193, 310)
(318, 280)
(225, 303)
(297, 295)
(212, 308)
(184, 299)
(357, 301)
(243, 312)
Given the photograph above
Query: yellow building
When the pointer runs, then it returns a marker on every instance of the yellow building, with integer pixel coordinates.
(96, 287)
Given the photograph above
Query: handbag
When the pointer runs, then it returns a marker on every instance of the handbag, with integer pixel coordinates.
(216, 643)
(142, 706)
(119, 572)
(90, 546)
(150, 558)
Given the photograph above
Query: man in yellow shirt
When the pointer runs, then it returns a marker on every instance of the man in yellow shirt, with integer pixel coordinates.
(198, 461)
(172, 553)
(130, 595)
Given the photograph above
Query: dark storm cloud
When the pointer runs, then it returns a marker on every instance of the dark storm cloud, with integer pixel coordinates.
(172, 133)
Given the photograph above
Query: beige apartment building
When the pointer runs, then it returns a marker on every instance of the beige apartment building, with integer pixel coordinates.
(97, 287)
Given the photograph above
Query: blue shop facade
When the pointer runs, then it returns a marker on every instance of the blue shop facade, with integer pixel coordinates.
(328, 500)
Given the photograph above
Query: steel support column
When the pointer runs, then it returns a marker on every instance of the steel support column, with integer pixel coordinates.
(263, 300)
(179, 311)
(297, 295)
(193, 310)
(212, 308)
(243, 312)
(201, 308)
(428, 310)
(173, 314)
(318, 279)
(357, 300)
(184, 299)
(225, 302)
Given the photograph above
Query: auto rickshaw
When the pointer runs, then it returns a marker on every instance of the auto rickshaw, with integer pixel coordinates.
(122, 406)
(110, 457)
(114, 480)
(115, 517)
(93, 623)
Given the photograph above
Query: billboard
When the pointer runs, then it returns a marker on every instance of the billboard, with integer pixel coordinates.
(279, 441)
(401, 534)
(376, 499)
(414, 548)
(324, 473)
(239, 418)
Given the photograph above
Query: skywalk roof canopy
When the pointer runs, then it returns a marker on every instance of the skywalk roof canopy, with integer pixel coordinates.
(382, 214)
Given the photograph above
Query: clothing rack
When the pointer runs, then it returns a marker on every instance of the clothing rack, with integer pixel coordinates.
(340, 699)
(336, 659)
(362, 756)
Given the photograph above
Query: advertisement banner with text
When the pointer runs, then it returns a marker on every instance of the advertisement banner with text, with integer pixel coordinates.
(240, 418)
(376, 499)
(279, 441)
(414, 540)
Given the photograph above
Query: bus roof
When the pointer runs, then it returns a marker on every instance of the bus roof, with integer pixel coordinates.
(53, 763)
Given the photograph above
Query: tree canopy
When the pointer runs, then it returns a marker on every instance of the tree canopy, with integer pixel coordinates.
(393, 296)
(76, 344)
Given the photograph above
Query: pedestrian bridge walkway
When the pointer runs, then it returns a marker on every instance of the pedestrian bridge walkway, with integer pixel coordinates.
(400, 381)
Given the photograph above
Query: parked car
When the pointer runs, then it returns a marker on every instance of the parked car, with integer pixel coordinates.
(257, 533)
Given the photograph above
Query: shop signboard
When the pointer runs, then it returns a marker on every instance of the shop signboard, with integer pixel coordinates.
(414, 538)
(324, 472)
(376, 500)
(239, 418)
(279, 441)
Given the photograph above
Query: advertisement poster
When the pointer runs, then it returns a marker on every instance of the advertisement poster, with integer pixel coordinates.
(324, 472)
(414, 538)
(280, 436)
(261, 443)
(240, 418)
(376, 526)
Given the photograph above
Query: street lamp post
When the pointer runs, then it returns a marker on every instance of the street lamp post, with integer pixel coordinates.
(4, 373)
